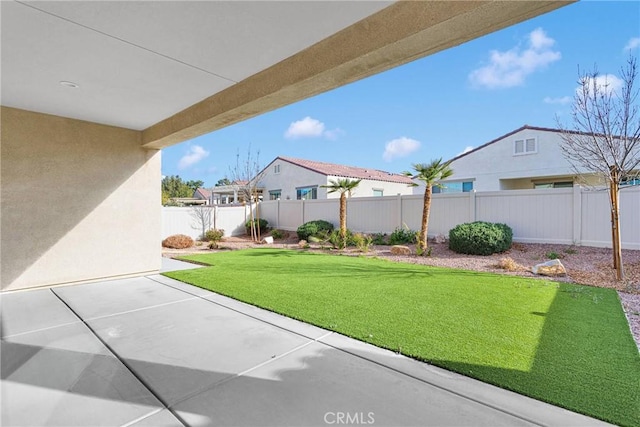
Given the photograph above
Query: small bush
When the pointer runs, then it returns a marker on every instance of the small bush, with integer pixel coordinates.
(553, 255)
(379, 239)
(480, 238)
(402, 236)
(214, 235)
(277, 234)
(338, 242)
(264, 225)
(362, 242)
(570, 251)
(508, 264)
(313, 228)
(178, 241)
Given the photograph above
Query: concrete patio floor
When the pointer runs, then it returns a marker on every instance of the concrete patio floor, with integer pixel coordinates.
(152, 351)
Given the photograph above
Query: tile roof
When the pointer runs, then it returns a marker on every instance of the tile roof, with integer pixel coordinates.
(348, 171)
(204, 192)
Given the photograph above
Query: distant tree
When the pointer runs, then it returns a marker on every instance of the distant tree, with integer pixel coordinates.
(174, 186)
(344, 186)
(430, 174)
(245, 177)
(223, 182)
(194, 185)
(606, 137)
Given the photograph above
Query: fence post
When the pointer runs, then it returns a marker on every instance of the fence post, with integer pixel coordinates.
(399, 210)
(278, 213)
(302, 210)
(472, 205)
(577, 215)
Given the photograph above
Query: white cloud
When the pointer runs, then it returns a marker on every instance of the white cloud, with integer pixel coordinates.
(399, 147)
(510, 68)
(193, 156)
(306, 127)
(333, 134)
(605, 83)
(633, 43)
(466, 150)
(562, 100)
(311, 128)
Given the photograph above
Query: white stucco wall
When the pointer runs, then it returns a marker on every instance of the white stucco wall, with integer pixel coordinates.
(289, 179)
(495, 162)
(366, 187)
(79, 202)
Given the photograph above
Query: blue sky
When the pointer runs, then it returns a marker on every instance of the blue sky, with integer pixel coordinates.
(437, 106)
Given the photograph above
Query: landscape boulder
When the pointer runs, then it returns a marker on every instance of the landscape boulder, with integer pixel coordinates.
(440, 238)
(268, 240)
(302, 244)
(550, 268)
(400, 250)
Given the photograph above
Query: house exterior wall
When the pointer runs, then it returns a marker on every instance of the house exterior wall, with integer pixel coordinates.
(495, 167)
(289, 179)
(94, 188)
(366, 187)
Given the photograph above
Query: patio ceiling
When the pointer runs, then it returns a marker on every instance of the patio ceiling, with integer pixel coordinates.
(176, 70)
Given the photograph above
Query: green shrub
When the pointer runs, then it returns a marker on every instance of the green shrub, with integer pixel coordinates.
(362, 242)
(213, 235)
(340, 243)
(553, 255)
(264, 225)
(480, 238)
(314, 228)
(277, 234)
(379, 238)
(402, 236)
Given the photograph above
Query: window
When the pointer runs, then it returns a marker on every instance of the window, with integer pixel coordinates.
(631, 181)
(454, 187)
(307, 193)
(275, 194)
(525, 146)
(276, 169)
(560, 184)
(378, 192)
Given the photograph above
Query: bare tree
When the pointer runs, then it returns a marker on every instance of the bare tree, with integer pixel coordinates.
(203, 216)
(245, 177)
(606, 138)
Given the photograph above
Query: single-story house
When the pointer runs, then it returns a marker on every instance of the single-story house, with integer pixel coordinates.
(288, 178)
(527, 158)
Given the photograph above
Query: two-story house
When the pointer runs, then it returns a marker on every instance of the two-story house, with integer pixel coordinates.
(527, 158)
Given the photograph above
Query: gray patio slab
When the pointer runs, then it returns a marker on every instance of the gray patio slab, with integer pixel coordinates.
(184, 348)
(317, 384)
(94, 300)
(154, 352)
(190, 289)
(170, 264)
(164, 418)
(64, 376)
(33, 310)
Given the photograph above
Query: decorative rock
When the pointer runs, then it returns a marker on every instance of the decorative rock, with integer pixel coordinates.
(268, 240)
(303, 244)
(440, 238)
(400, 250)
(550, 268)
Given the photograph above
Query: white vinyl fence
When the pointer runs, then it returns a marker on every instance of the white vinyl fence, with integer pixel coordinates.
(565, 216)
(185, 220)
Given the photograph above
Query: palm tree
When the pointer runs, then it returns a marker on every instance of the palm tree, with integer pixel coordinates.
(430, 174)
(344, 186)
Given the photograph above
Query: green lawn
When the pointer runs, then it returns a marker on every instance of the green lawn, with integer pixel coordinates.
(562, 343)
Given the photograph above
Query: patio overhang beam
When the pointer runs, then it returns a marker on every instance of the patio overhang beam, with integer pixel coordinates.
(398, 34)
